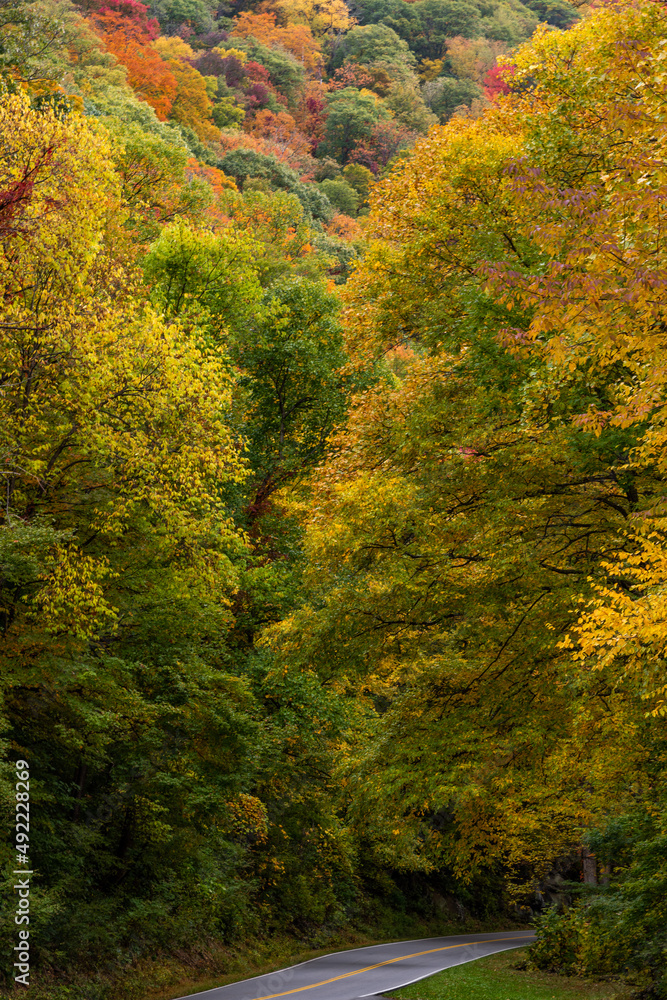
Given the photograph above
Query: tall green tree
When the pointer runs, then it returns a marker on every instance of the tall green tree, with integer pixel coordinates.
(292, 374)
(373, 43)
(205, 278)
(426, 24)
(351, 117)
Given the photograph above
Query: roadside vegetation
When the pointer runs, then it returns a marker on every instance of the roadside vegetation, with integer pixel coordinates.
(504, 977)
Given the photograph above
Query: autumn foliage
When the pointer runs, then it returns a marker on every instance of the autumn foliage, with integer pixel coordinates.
(296, 38)
(129, 40)
(334, 478)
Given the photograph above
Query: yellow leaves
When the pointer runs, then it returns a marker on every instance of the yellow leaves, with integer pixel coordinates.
(323, 17)
(131, 395)
(71, 598)
(430, 220)
(454, 524)
(249, 818)
(107, 412)
(192, 106)
(467, 196)
(238, 54)
(173, 47)
(601, 288)
(660, 708)
(52, 218)
(624, 630)
(429, 69)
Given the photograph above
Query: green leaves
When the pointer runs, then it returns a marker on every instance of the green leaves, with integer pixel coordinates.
(351, 117)
(296, 393)
(204, 278)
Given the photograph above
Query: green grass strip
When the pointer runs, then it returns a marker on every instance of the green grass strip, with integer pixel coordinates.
(497, 978)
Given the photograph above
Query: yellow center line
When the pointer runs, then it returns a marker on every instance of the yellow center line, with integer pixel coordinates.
(389, 961)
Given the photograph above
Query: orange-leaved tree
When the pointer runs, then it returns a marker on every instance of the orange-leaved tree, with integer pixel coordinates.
(296, 38)
(148, 74)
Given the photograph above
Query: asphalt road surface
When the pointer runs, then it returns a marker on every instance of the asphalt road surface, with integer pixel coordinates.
(368, 972)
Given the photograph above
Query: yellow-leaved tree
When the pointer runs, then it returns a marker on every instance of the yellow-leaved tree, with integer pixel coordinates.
(110, 418)
(598, 306)
(505, 470)
(325, 18)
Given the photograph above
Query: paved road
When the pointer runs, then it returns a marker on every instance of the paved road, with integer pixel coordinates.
(367, 972)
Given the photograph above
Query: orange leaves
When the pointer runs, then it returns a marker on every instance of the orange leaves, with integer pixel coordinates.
(218, 180)
(285, 146)
(296, 38)
(280, 129)
(344, 227)
(173, 88)
(147, 73)
(267, 123)
(219, 183)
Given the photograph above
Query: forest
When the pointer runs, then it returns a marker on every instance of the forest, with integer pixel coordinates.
(333, 513)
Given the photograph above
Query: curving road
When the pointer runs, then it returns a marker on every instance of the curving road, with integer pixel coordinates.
(368, 972)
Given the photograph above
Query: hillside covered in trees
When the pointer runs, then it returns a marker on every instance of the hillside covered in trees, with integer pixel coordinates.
(332, 436)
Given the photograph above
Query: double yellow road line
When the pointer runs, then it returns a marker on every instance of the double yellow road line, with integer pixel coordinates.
(389, 961)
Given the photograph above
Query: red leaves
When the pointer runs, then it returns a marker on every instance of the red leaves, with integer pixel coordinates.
(128, 16)
(129, 41)
(384, 142)
(495, 81)
(15, 198)
(312, 115)
(352, 75)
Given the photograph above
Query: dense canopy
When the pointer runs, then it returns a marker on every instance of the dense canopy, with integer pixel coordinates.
(332, 534)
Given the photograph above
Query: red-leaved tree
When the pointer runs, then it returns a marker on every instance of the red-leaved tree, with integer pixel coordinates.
(495, 81)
